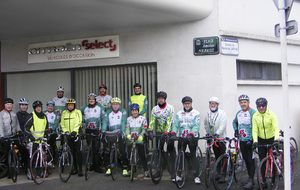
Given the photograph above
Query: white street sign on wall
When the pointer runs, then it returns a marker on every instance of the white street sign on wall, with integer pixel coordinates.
(229, 46)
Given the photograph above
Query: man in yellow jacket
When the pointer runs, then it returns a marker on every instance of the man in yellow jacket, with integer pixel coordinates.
(71, 119)
(265, 130)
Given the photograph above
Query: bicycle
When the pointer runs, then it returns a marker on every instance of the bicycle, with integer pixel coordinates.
(181, 162)
(133, 156)
(209, 160)
(89, 156)
(65, 160)
(112, 138)
(3, 161)
(39, 166)
(293, 147)
(228, 166)
(272, 168)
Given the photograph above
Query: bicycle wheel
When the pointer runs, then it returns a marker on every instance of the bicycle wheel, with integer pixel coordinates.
(223, 172)
(88, 164)
(133, 163)
(49, 159)
(267, 177)
(13, 165)
(240, 169)
(208, 168)
(155, 167)
(3, 165)
(200, 160)
(65, 165)
(180, 171)
(38, 167)
(292, 168)
(294, 149)
(113, 163)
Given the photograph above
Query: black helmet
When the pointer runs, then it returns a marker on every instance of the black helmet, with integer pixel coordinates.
(8, 100)
(261, 101)
(137, 85)
(37, 103)
(243, 97)
(161, 94)
(186, 99)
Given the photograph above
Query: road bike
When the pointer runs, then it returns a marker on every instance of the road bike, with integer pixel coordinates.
(89, 156)
(293, 147)
(133, 156)
(209, 160)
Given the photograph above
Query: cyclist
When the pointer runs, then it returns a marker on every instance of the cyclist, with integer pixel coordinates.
(215, 123)
(92, 117)
(242, 125)
(60, 101)
(115, 119)
(71, 120)
(35, 126)
(136, 127)
(103, 99)
(22, 114)
(139, 99)
(164, 114)
(265, 129)
(53, 121)
(187, 123)
(9, 124)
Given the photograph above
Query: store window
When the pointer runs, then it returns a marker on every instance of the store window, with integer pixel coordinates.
(258, 70)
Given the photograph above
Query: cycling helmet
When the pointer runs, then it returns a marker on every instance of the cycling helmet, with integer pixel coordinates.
(137, 85)
(103, 86)
(261, 100)
(23, 101)
(71, 101)
(36, 104)
(134, 107)
(214, 99)
(60, 89)
(161, 94)
(8, 100)
(243, 97)
(92, 95)
(116, 100)
(50, 103)
(186, 99)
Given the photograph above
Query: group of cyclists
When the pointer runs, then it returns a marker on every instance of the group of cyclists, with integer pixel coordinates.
(105, 113)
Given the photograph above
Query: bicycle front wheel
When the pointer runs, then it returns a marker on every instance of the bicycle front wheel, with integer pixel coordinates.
(180, 171)
(65, 165)
(208, 168)
(200, 160)
(155, 167)
(133, 163)
(13, 165)
(294, 149)
(3, 165)
(38, 167)
(113, 163)
(267, 176)
(49, 158)
(223, 172)
(240, 169)
(88, 164)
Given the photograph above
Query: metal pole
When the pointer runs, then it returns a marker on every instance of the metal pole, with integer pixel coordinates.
(285, 94)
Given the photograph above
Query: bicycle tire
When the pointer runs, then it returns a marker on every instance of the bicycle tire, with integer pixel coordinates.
(200, 160)
(155, 167)
(208, 168)
(113, 163)
(294, 149)
(270, 180)
(240, 169)
(38, 167)
(133, 163)
(292, 168)
(49, 159)
(180, 171)
(3, 165)
(13, 165)
(88, 164)
(225, 168)
(65, 165)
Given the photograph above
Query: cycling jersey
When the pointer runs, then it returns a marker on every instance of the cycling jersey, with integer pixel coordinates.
(215, 123)
(71, 121)
(9, 123)
(141, 100)
(104, 101)
(53, 120)
(60, 105)
(115, 120)
(92, 116)
(265, 126)
(187, 123)
(164, 117)
(243, 123)
(136, 126)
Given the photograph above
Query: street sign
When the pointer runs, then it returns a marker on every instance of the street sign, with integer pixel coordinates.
(229, 46)
(288, 7)
(291, 28)
(206, 46)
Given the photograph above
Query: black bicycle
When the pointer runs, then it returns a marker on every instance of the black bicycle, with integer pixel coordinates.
(89, 156)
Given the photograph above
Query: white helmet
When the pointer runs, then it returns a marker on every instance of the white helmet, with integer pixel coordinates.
(214, 99)
(60, 89)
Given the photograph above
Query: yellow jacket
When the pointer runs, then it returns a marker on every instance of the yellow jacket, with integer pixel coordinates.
(71, 121)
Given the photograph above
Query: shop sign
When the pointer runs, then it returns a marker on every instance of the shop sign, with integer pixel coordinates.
(229, 46)
(206, 46)
(78, 49)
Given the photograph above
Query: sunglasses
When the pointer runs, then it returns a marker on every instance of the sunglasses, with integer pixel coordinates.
(261, 105)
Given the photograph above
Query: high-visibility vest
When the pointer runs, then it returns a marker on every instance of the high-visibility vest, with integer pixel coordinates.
(138, 99)
(38, 127)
